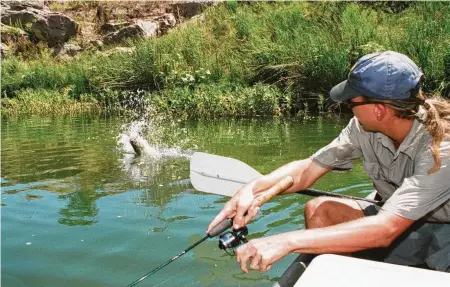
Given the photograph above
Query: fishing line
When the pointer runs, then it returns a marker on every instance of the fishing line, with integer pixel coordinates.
(219, 229)
(168, 262)
(176, 275)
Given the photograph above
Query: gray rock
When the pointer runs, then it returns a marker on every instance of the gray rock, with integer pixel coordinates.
(132, 31)
(72, 49)
(166, 22)
(140, 29)
(148, 28)
(97, 44)
(20, 18)
(53, 28)
(167, 19)
(66, 52)
(112, 27)
(4, 6)
(10, 34)
(21, 5)
(187, 9)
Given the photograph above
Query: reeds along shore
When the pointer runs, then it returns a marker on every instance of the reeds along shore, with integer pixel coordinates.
(245, 59)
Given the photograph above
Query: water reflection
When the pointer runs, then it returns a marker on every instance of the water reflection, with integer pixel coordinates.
(80, 209)
(69, 172)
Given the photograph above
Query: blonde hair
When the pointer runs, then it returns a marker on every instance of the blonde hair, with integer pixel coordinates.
(433, 112)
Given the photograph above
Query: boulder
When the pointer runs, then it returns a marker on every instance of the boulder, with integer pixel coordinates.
(72, 49)
(22, 5)
(148, 28)
(19, 18)
(67, 49)
(11, 34)
(97, 44)
(187, 9)
(140, 29)
(112, 27)
(53, 28)
(166, 22)
(132, 31)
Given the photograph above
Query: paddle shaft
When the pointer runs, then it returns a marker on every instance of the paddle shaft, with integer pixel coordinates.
(224, 176)
(310, 192)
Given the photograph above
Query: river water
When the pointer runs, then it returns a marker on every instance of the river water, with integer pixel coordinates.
(77, 210)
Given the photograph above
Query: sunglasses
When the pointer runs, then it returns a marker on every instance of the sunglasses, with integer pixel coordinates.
(351, 104)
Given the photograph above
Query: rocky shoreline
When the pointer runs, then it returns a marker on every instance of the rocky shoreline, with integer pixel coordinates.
(67, 28)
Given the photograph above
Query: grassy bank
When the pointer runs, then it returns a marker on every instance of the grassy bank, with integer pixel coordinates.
(243, 60)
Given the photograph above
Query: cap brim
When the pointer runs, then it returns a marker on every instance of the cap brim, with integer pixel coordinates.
(343, 92)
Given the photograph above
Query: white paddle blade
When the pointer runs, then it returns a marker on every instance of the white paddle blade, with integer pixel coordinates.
(218, 174)
(212, 185)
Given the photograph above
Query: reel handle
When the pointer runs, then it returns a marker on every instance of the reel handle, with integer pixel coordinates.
(221, 227)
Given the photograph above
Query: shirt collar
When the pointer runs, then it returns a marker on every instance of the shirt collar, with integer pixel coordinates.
(409, 144)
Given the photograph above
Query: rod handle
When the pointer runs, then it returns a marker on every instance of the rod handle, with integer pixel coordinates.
(221, 227)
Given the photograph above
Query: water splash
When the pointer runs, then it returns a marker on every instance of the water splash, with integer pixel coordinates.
(132, 141)
(144, 151)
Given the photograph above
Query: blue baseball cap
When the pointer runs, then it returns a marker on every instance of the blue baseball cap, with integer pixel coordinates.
(384, 75)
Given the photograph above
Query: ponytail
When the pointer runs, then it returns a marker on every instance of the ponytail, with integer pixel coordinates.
(437, 120)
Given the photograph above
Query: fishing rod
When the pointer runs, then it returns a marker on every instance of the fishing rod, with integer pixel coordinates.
(229, 240)
(236, 174)
(226, 241)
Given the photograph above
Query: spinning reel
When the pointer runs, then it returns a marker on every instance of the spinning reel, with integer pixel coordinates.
(232, 239)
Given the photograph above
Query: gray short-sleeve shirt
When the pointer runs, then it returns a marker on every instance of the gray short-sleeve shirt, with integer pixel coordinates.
(400, 176)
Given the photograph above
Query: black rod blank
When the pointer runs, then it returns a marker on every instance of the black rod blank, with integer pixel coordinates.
(221, 227)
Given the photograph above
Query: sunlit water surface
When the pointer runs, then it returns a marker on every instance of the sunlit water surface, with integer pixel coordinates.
(79, 209)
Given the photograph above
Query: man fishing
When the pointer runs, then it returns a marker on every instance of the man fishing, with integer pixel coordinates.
(404, 140)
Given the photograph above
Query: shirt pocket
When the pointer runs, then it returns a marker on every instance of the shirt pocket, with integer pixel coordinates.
(372, 169)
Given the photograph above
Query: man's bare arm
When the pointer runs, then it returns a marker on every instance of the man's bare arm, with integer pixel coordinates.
(242, 205)
(364, 233)
(304, 172)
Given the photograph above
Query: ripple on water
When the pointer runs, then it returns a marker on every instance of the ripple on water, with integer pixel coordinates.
(95, 217)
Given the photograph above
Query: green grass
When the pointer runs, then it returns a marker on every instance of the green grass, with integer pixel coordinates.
(291, 50)
(45, 102)
(221, 101)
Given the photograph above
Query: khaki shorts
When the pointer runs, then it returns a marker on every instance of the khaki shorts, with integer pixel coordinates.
(422, 243)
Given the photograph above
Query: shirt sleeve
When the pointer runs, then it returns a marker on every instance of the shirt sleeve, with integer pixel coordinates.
(338, 155)
(423, 193)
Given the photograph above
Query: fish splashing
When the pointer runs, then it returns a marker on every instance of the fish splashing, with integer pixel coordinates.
(144, 161)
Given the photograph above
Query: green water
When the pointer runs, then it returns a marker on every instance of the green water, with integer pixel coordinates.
(77, 212)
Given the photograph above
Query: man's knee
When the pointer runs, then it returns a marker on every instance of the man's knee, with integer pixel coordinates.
(326, 211)
(312, 206)
(316, 214)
